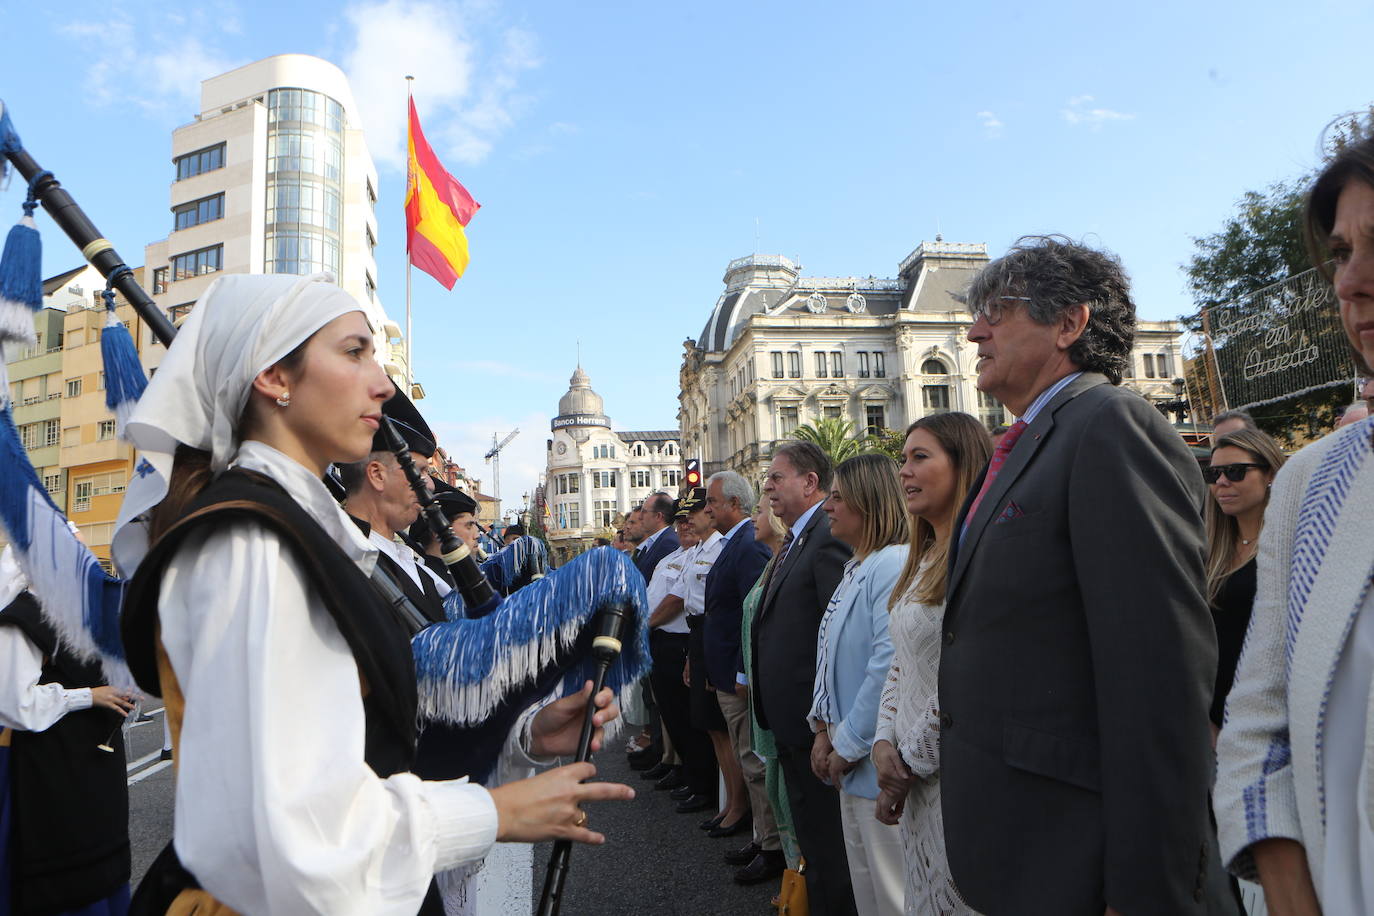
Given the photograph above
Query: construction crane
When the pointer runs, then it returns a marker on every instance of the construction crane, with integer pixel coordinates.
(493, 458)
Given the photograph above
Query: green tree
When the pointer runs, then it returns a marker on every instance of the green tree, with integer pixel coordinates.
(835, 437)
(890, 442)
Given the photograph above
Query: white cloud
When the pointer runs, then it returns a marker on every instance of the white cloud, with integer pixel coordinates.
(467, 93)
(149, 56)
(992, 125)
(1080, 110)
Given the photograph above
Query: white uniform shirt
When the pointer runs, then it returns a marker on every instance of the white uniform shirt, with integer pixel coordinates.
(276, 811)
(691, 585)
(666, 574)
(25, 704)
(405, 558)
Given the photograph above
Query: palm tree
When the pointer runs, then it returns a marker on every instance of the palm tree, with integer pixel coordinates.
(835, 437)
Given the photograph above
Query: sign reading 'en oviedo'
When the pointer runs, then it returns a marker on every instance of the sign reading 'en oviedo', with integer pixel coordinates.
(1284, 340)
(580, 419)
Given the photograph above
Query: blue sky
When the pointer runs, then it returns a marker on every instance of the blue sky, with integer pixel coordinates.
(624, 153)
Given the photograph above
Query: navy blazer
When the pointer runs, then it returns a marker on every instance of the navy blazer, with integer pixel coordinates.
(647, 560)
(736, 570)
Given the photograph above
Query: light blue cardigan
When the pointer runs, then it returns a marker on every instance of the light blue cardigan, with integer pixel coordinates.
(854, 651)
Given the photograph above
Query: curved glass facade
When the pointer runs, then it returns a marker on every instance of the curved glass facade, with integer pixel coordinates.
(304, 182)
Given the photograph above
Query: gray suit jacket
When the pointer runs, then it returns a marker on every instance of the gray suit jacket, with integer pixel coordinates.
(1077, 669)
(785, 626)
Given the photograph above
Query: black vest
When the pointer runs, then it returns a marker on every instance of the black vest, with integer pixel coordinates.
(376, 637)
(71, 801)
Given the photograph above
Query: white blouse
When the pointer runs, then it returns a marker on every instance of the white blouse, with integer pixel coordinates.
(276, 811)
(25, 704)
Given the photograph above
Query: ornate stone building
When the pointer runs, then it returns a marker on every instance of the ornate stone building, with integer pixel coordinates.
(595, 475)
(781, 349)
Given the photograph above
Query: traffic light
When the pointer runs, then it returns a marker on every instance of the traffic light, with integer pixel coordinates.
(693, 476)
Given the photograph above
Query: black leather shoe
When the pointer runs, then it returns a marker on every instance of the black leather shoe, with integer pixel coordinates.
(724, 830)
(744, 855)
(673, 780)
(681, 793)
(693, 804)
(765, 867)
(657, 772)
(711, 824)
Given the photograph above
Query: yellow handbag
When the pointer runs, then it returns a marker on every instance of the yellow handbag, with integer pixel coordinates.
(791, 900)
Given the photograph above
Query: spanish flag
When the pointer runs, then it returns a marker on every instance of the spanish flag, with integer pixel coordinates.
(437, 209)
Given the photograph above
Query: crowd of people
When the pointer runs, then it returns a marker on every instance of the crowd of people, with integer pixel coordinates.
(1066, 672)
(996, 676)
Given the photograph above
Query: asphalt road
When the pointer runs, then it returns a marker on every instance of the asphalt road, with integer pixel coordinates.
(655, 861)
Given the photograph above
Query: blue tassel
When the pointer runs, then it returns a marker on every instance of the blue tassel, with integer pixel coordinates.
(9, 140)
(124, 376)
(21, 279)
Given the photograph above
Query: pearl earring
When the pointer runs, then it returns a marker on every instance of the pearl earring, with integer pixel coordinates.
(284, 400)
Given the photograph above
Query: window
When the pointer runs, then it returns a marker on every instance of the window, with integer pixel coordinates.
(874, 421)
(603, 451)
(1149, 365)
(794, 365)
(935, 398)
(100, 380)
(291, 149)
(304, 200)
(184, 216)
(990, 411)
(820, 365)
(82, 496)
(371, 200)
(603, 511)
(52, 483)
(30, 435)
(106, 430)
(304, 107)
(370, 286)
(202, 160)
(1162, 365)
(568, 483)
(787, 421)
(863, 364)
(638, 450)
(302, 251)
(639, 478)
(50, 432)
(878, 370)
(603, 480)
(159, 280)
(176, 313)
(830, 412)
(574, 515)
(199, 262)
(71, 436)
(97, 535)
(670, 449)
(371, 239)
(73, 387)
(671, 477)
(836, 364)
(76, 337)
(933, 367)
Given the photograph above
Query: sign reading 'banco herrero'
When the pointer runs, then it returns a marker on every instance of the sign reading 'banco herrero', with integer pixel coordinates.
(580, 419)
(1284, 340)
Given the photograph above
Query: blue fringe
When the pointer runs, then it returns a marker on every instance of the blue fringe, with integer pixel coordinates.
(124, 377)
(9, 140)
(21, 280)
(76, 594)
(516, 565)
(465, 668)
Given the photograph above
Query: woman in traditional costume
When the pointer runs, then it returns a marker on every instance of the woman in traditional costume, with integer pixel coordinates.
(291, 690)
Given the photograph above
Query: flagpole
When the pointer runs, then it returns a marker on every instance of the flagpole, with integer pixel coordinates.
(410, 371)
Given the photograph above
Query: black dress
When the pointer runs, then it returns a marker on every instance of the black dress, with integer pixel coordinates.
(1231, 616)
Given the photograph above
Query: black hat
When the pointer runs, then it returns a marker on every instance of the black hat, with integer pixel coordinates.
(414, 430)
(455, 502)
(689, 502)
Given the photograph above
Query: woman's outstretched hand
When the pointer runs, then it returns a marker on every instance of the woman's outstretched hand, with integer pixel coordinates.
(549, 806)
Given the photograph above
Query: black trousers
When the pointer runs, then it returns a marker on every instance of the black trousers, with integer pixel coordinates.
(816, 820)
(669, 652)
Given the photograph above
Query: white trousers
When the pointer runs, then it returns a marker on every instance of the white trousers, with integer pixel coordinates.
(877, 870)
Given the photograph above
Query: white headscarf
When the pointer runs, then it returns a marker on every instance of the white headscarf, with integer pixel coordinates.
(242, 325)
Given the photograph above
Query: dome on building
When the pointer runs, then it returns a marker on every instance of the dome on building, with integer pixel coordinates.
(580, 397)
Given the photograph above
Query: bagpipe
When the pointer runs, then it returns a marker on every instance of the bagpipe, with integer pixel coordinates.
(477, 672)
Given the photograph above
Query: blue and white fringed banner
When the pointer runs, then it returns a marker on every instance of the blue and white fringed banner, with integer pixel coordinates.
(522, 561)
(466, 668)
(77, 596)
(124, 375)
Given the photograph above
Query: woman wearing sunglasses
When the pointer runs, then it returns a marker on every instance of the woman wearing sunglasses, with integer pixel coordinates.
(1242, 470)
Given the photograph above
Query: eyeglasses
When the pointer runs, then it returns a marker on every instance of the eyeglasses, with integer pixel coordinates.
(993, 309)
(1234, 472)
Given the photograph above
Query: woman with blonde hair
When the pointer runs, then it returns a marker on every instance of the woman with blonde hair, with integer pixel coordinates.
(1238, 480)
(853, 649)
(941, 459)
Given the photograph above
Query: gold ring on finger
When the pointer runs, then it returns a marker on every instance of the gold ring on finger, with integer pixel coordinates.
(581, 819)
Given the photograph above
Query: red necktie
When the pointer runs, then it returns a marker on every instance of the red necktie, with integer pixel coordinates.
(999, 457)
(782, 555)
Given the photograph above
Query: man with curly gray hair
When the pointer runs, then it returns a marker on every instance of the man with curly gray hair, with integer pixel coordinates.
(1079, 653)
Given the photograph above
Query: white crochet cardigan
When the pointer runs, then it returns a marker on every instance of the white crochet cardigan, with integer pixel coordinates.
(1316, 556)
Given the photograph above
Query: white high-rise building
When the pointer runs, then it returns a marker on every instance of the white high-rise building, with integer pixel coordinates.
(273, 176)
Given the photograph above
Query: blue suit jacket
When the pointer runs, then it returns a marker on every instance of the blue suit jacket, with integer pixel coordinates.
(646, 562)
(734, 573)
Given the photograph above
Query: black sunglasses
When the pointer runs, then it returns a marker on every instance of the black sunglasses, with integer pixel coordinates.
(1234, 472)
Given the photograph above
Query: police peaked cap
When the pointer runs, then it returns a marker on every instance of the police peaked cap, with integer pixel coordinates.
(690, 502)
(419, 438)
